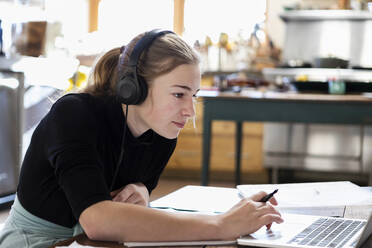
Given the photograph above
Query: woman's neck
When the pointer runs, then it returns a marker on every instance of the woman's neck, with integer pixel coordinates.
(134, 121)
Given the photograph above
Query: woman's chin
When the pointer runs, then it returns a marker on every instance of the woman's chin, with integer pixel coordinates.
(170, 134)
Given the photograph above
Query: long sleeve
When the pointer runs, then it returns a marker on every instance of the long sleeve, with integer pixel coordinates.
(72, 152)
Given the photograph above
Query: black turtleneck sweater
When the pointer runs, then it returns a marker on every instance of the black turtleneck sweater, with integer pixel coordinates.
(73, 154)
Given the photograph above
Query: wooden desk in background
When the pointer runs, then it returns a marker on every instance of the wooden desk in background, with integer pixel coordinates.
(354, 212)
(278, 107)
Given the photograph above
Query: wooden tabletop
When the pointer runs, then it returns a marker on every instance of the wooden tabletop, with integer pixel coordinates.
(84, 240)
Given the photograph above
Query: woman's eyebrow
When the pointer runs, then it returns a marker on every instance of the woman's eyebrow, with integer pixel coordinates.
(185, 87)
(182, 86)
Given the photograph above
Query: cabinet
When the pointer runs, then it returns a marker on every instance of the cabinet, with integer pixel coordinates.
(11, 105)
(188, 153)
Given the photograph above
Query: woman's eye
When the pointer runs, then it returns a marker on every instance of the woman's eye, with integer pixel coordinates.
(178, 95)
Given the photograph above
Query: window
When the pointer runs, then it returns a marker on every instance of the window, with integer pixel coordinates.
(211, 17)
(72, 14)
(121, 20)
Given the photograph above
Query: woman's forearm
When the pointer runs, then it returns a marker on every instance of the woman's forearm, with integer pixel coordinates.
(119, 221)
(109, 220)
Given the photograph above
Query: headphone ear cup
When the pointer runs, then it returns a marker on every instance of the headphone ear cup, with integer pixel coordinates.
(127, 90)
(143, 88)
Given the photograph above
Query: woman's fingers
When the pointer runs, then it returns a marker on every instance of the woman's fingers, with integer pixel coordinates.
(269, 215)
(266, 213)
(273, 201)
(132, 193)
(123, 195)
(258, 196)
(268, 208)
(115, 192)
(134, 199)
(268, 219)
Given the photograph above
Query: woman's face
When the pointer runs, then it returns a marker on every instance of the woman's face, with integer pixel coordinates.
(170, 102)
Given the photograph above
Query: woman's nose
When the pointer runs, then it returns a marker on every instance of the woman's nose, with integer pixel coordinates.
(189, 109)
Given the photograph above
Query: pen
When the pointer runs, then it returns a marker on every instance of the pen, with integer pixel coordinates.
(267, 197)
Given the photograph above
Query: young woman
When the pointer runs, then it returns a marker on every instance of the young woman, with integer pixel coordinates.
(97, 155)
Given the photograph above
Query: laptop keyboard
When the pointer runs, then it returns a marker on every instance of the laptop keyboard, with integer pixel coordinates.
(327, 232)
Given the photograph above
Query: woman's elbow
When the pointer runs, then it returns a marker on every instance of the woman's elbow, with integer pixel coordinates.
(91, 220)
(93, 233)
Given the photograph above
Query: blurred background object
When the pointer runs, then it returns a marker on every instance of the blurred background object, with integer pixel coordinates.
(29, 38)
(328, 36)
(1, 41)
(11, 125)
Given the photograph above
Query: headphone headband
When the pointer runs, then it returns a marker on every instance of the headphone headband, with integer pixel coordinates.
(144, 43)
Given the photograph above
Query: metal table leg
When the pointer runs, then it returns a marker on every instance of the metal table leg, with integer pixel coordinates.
(206, 150)
(238, 145)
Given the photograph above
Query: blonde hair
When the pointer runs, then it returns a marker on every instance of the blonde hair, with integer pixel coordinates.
(164, 54)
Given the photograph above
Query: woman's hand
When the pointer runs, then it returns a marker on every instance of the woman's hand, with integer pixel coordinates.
(135, 193)
(248, 216)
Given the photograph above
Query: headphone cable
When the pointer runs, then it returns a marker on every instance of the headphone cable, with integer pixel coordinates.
(121, 150)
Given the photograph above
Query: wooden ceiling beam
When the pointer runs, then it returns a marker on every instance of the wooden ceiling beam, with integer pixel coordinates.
(178, 16)
(93, 15)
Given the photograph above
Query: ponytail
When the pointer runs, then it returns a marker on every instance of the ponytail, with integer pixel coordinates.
(103, 79)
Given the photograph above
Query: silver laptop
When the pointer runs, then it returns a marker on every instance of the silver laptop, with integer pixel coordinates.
(311, 231)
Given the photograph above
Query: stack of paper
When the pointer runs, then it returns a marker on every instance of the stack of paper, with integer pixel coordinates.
(326, 198)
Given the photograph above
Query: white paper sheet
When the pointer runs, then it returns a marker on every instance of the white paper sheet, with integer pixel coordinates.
(77, 245)
(199, 199)
(180, 243)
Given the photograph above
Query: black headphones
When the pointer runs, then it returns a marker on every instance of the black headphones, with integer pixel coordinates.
(131, 88)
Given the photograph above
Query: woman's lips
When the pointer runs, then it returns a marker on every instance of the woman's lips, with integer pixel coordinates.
(179, 124)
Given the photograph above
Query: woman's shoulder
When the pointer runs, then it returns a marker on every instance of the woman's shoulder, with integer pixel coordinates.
(79, 101)
(83, 106)
(73, 104)
(86, 99)
(73, 98)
